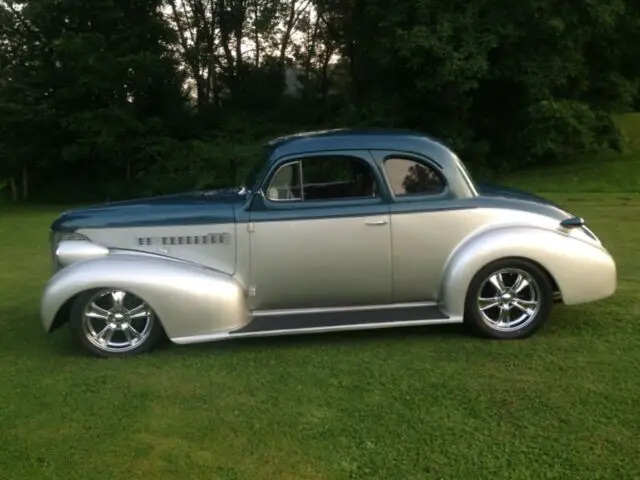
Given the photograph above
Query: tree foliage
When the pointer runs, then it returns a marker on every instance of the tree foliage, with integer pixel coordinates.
(116, 98)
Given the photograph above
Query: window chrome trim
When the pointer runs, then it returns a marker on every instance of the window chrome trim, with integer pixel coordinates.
(266, 195)
(466, 175)
(301, 177)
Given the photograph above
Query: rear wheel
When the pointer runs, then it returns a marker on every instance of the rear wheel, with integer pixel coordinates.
(112, 322)
(509, 298)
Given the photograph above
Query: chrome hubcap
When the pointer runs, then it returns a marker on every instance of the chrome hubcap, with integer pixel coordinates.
(117, 321)
(509, 299)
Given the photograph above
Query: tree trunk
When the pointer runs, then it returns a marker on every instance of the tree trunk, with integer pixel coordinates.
(225, 33)
(212, 85)
(256, 32)
(239, 35)
(14, 189)
(324, 79)
(311, 49)
(290, 23)
(25, 183)
(201, 94)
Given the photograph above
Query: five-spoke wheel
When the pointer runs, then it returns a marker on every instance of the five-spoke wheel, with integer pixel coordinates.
(114, 322)
(509, 298)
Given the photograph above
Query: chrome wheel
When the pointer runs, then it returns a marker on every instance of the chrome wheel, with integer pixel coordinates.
(509, 300)
(116, 321)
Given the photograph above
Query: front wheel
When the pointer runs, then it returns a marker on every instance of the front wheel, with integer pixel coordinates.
(112, 322)
(510, 298)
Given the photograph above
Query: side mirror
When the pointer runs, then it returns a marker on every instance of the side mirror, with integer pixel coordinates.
(258, 200)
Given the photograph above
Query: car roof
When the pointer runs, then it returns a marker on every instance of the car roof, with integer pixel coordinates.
(359, 139)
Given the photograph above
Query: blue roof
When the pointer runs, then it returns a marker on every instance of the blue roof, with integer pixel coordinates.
(359, 139)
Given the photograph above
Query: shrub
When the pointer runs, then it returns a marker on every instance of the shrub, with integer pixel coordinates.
(560, 130)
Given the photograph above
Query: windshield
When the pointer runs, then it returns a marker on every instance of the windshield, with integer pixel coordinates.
(254, 174)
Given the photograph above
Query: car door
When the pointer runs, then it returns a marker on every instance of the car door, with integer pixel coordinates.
(427, 223)
(320, 235)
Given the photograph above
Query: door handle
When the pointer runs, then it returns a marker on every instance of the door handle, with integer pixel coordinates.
(376, 222)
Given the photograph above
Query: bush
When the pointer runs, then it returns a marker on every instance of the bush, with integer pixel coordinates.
(200, 165)
(561, 130)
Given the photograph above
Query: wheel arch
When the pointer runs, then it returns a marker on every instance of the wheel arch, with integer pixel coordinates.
(542, 268)
(188, 300)
(61, 316)
(573, 266)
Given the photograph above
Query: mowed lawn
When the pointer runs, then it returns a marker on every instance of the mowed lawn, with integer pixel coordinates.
(431, 403)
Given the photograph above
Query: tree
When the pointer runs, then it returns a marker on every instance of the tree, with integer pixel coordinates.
(116, 97)
(480, 74)
(91, 91)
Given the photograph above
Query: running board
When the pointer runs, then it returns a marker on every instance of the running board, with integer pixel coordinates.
(320, 320)
(325, 320)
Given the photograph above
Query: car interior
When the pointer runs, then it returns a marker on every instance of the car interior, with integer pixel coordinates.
(285, 185)
(328, 179)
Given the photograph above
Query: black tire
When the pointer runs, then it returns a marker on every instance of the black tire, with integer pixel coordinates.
(481, 287)
(81, 332)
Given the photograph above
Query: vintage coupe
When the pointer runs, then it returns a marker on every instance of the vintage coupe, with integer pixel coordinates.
(335, 230)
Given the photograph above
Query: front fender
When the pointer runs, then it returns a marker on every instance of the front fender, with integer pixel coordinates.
(188, 299)
(584, 272)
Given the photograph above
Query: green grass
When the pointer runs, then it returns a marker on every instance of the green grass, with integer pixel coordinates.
(411, 404)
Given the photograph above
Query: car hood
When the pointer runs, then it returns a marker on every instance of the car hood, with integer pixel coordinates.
(213, 206)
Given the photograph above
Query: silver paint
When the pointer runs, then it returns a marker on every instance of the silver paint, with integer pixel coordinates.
(321, 262)
(73, 251)
(188, 299)
(424, 242)
(219, 256)
(435, 255)
(583, 271)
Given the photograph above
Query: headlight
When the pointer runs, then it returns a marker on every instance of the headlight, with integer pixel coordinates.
(78, 251)
(55, 238)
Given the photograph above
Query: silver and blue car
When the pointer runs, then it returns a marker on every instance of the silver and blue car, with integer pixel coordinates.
(335, 230)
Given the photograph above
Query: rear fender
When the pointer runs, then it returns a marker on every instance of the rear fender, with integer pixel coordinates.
(188, 299)
(583, 271)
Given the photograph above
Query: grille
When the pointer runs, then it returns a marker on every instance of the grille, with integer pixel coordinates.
(67, 236)
(210, 239)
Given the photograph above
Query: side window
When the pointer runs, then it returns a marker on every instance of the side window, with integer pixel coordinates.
(334, 169)
(285, 184)
(323, 178)
(408, 177)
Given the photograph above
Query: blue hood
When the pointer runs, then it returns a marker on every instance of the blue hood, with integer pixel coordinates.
(215, 206)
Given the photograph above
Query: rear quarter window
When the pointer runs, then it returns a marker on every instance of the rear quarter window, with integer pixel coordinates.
(410, 177)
